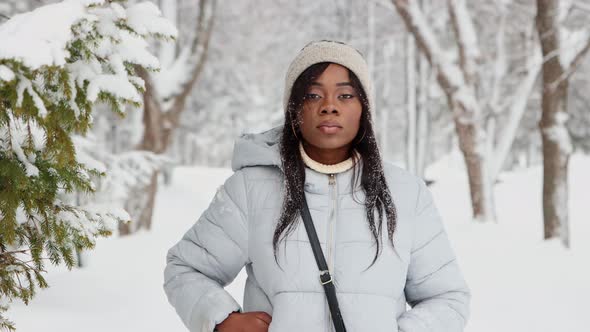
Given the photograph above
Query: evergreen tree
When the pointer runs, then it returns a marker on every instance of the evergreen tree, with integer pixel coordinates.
(56, 63)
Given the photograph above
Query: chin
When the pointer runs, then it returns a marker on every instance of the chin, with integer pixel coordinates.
(329, 144)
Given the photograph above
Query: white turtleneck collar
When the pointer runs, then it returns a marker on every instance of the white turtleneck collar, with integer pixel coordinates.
(323, 168)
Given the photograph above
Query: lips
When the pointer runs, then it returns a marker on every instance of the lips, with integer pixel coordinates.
(329, 127)
(329, 124)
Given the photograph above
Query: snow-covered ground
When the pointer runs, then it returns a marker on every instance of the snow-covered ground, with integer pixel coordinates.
(519, 282)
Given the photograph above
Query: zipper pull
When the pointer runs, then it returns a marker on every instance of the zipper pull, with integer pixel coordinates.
(332, 179)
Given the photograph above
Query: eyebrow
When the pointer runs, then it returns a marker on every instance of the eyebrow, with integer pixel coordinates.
(337, 84)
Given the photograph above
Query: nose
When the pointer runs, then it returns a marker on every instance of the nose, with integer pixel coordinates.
(329, 106)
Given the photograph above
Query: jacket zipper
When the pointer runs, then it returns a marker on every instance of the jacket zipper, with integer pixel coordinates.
(332, 221)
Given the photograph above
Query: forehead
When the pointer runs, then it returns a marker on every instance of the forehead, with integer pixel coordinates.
(334, 72)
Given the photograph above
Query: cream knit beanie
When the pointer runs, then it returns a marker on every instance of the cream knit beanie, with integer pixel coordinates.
(328, 51)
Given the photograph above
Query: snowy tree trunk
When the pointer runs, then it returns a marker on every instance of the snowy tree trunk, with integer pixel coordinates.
(555, 138)
(154, 120)
(471, 148)
(160, 122)
(524, 89)
(458, 83)
(411, 104)
(474, 139)
(423, 116)
(388, 54)
(417, 112)
(140, 205)
(377, 112)
(146, 215)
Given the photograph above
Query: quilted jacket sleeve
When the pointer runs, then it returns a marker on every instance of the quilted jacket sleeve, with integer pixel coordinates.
(435, 287)
(208, 257)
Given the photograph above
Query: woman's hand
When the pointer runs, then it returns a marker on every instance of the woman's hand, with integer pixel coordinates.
(256, 321)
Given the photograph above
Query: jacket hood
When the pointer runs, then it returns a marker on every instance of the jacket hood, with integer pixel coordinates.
(259, 149)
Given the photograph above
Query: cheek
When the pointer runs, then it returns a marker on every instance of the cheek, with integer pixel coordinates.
(306, 125)
(354, 120)
(306, 118)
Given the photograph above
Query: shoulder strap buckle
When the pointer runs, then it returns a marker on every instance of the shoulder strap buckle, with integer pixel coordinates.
(325, 277)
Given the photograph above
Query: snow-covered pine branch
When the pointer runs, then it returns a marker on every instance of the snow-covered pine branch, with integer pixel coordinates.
(123, 172)
(56, 63)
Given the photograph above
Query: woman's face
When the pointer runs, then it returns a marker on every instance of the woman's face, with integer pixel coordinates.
(331, 110)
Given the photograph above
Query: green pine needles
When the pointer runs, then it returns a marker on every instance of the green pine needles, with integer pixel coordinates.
(43, 103)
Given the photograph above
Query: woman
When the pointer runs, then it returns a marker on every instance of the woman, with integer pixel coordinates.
(380, 232)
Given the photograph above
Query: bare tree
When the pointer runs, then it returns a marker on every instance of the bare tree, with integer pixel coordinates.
(418, 80)
(462, 83)
(556, 140)
(162, 109)
(458, 85)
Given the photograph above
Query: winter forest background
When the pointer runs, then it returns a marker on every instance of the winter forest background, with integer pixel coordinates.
(105, 160)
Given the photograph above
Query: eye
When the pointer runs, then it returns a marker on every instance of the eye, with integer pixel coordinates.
(312, 96)
(347, 96)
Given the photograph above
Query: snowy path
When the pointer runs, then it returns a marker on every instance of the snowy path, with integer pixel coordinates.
(519, 283)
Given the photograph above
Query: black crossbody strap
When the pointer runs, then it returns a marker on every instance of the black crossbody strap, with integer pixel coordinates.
(325, 277)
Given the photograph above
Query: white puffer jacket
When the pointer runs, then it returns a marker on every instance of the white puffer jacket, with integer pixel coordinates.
(237, 228)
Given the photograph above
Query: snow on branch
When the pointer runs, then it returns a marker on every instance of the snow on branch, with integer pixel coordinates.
(56, 63)
(40, 38)
(450, 76)
(176, 81)
(466, 37)
(575, 46)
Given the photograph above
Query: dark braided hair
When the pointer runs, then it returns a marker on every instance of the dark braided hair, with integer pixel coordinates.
(377, 195)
